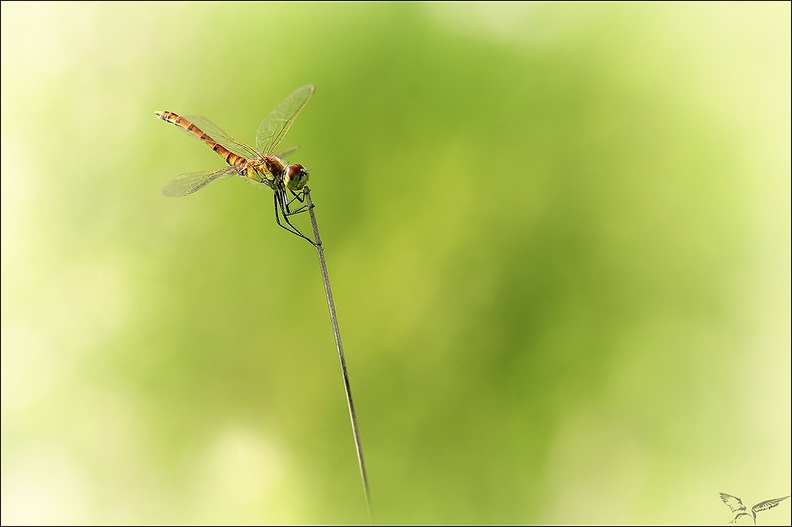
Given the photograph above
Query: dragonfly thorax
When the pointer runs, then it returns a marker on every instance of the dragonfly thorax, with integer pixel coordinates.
(295, 177)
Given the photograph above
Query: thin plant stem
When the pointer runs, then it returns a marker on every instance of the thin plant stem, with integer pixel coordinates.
(340, 347)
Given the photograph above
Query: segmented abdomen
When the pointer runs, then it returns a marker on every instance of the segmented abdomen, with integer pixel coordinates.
(230, 157)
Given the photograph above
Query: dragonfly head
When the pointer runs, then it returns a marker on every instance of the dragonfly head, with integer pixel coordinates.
(295, 177)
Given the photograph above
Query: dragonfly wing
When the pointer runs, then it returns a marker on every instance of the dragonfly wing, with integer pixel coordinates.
(194, 181)
(284, 153)
(274, 126)
(219, 135)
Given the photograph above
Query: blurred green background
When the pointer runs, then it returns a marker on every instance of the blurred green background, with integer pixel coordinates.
(558, 237)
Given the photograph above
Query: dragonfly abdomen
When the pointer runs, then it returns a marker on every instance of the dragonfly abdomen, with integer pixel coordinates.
(230, 157)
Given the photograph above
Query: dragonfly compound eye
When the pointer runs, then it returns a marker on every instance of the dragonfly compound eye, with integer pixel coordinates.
(296, 177)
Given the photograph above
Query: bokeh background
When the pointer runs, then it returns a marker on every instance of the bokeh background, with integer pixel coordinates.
(558, 237)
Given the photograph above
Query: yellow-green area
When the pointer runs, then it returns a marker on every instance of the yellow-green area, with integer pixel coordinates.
(558, 236)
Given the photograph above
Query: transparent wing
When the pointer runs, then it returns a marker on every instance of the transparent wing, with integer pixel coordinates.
(769, 504)
(734, 503)
(194, 181)
(285, 153)
(274, 126)
(219, 135)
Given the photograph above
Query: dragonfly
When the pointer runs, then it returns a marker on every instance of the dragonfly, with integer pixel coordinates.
(257, 165)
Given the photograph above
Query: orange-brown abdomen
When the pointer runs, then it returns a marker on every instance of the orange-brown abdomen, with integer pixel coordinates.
(230, 157)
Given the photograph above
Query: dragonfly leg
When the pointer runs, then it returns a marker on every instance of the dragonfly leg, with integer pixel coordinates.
(299, 196)
(281, 207)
